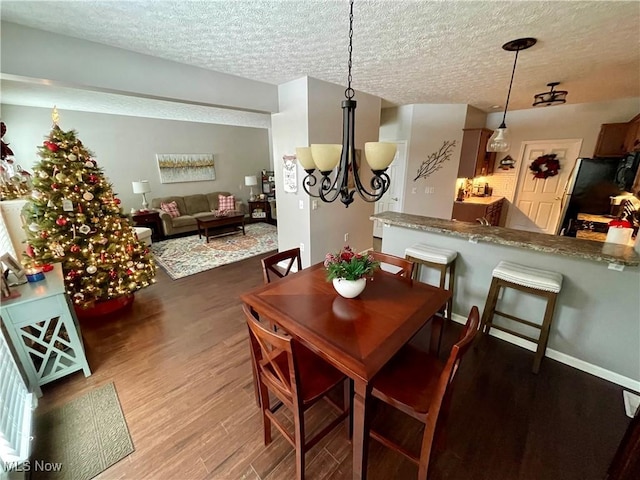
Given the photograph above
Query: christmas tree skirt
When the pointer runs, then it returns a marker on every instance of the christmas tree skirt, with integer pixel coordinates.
(181, 257)
(104, 307)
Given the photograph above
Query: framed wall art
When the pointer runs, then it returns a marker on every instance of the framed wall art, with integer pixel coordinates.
(290, 173)
(185, 167)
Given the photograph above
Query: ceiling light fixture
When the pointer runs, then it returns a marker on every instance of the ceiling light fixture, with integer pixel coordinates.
(499, 141)
(552, 97)
(325, 158)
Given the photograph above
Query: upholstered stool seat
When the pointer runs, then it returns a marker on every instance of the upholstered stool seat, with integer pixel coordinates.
(441, 259)
(143, 234)
(535, 281)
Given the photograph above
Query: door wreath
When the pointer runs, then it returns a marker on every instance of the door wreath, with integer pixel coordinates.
(545, 166)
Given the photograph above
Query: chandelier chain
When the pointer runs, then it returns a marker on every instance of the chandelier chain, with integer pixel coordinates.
(349, 92)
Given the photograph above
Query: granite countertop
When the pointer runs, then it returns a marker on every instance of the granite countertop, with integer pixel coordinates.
(540, 242)
(480, 200)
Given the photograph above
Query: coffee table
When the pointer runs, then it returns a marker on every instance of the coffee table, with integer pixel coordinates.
(220, 225)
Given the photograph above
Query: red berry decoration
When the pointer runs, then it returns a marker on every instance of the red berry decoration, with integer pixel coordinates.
(51, 146)
(113, 274)
(61, 221)
(72, 274)
(55, 186)
(44, 234)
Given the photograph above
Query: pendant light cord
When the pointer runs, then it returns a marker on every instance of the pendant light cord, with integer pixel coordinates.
(349, 92)
(504, 116)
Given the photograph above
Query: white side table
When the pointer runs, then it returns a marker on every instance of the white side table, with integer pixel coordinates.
(44, 330)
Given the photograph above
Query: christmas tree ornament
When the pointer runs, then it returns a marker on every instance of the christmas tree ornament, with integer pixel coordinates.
(55, 186)
(91, 269)
(61, 221)
(29, 251)
(78, 296)
(88, 196)
(34, 227)
(103, 241)
(95, 220)
(61, 177)
(72, 157)
(51, 146)
(44, 234)
(88, 164)
(50, 204)
(133, 286)
(43, 174)
(112, 274)
(67, 205)
(84, 229)
(36, 195)
(75, 248)
(129, 264)
(93, 178)
(129, 271)
(140, 266)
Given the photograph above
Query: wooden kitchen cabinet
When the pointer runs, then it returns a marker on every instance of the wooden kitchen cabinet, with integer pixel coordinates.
(475, 161)
(632, 140)
(611, 141)
(475, 208)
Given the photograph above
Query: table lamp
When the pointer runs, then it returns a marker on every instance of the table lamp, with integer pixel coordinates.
(142, 186)
(251, 181)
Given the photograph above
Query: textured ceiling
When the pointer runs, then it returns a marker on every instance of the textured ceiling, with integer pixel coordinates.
(404, 51)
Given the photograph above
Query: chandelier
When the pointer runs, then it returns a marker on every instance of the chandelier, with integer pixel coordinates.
(499, 141)
(552, 97)
(325, 157)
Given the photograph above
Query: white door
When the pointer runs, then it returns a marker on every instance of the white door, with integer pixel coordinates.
(393, 199)
(538, 201)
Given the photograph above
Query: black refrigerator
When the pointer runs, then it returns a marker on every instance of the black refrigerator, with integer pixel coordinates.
(593, 181)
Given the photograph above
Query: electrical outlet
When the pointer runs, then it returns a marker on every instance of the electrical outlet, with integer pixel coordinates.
(426, 189)
(429, 190)
(314, 204)
(346, 237)
(301, 204)
(301, 247)
(414, 190)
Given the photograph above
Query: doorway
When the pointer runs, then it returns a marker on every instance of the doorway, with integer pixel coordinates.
(393, 200)
(537, 202)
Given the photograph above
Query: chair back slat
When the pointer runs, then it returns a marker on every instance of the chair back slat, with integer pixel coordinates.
(406, 266)
(266, 347)
(271, 270)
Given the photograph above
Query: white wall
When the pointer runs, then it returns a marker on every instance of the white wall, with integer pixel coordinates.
(27, 52)
(577, 121)
(125, 147)
(431, 126)
(289, 130)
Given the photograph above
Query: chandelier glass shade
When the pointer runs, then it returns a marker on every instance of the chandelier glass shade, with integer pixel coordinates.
(343, 158)
(500, 140)
(552, 97)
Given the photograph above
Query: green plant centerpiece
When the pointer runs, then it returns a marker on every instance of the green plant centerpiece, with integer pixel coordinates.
(348, 271)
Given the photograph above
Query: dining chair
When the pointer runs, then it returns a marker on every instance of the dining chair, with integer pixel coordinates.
(298, 378)
(419, 384)
(270, 267)
(406, 266)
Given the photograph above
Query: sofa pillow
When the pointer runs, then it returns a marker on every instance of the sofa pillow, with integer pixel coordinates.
(226, 203)
(171, 209)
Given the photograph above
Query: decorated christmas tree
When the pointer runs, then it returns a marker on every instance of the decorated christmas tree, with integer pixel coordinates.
(73, 217)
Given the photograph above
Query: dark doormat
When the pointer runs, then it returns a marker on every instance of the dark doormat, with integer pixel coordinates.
(81, 438)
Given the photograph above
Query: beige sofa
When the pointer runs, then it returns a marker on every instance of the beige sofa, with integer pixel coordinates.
(191, 207)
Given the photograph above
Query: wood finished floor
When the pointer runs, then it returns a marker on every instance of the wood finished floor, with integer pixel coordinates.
(179, 359)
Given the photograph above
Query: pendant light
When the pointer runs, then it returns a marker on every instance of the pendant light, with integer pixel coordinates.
(326, 158)
(552, 97)
(499, 141)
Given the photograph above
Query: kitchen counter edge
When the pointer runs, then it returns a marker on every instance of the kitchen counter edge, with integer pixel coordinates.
(540, 242)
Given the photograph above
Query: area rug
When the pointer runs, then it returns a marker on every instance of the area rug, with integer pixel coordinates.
(81, 438)
(184, 256)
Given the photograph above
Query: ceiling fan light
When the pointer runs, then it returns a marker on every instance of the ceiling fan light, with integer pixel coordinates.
(552, 97)
(326, 155)
(499, 141)
(379, 155)
(304, 157)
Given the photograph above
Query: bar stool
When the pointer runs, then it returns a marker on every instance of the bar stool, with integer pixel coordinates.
(441, 259)
(526, 279)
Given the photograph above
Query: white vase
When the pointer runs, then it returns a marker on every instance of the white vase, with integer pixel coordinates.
(349, 288)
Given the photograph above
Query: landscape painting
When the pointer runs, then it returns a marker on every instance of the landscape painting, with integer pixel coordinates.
(181, 167)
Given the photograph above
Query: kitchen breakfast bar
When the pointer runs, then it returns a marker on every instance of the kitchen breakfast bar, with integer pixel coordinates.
(596, 325)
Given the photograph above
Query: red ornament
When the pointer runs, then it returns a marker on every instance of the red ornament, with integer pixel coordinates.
(93, 178)
(72, 274)
(129, 271)
(75, 248)
(117, 201)
(51, 146)
(113, 274)
(55, 186)
(129, 248)
(29, 251)
(44, 234)
(61, 221)
(76, 188)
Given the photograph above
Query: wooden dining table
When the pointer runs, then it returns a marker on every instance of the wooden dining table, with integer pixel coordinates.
(357, 336)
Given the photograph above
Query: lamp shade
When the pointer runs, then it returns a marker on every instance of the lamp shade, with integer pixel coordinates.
(499, 141)
(326, 155)
(304, 157)
(141, 186)
(250, 180)
(379, 155)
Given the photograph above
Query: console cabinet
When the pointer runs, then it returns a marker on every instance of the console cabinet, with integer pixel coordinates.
(475, 161)
(44, 331)
(470, 210)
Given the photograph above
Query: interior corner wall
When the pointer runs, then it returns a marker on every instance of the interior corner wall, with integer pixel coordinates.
(330, 222)
(431, 126)
(476, 118)
(395, 123)
(290, 129)
(126, 147)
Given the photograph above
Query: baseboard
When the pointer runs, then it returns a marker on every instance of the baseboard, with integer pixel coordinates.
(562, 358)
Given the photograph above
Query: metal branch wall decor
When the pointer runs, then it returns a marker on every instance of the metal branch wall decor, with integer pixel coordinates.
(434, 161)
